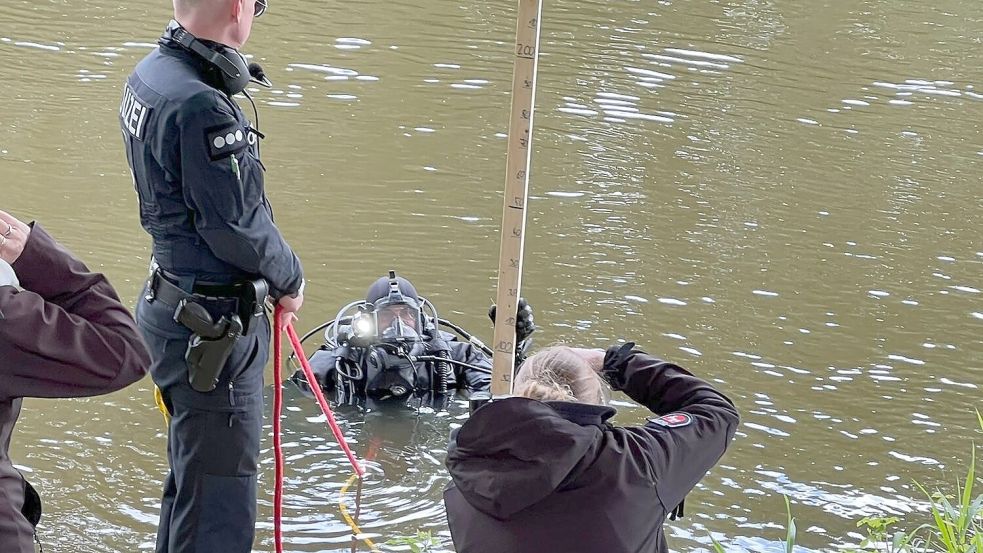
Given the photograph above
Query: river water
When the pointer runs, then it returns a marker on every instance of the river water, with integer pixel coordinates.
(781, 196)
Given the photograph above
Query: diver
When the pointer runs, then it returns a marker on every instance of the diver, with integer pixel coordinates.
(388, 349)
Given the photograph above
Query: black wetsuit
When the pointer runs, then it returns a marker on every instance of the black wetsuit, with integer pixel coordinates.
(377, 363)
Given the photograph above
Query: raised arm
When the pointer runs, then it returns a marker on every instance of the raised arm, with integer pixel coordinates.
(66, 334)
(694, 422)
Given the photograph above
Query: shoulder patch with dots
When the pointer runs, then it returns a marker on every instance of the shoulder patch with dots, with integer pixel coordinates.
(225, 140)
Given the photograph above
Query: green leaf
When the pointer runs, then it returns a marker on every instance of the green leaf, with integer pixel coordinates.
(717, 548)
(790, 528)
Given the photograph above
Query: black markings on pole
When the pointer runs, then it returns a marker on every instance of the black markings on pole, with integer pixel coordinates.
(513, 263)
(526, 51)
(504, 346)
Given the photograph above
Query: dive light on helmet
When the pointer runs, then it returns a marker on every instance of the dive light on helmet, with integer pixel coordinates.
(364, 323)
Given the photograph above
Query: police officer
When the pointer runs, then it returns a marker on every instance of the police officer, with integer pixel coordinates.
(388, 349)
(196, 168)
(547, 471)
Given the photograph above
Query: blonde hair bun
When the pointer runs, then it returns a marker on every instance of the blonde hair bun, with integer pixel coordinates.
(557, 373)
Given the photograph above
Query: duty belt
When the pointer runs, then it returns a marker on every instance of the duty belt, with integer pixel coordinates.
(248, 297)
(210, 289)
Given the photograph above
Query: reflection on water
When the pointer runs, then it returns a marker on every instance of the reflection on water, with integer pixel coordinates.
(778, 195)
(403, 455)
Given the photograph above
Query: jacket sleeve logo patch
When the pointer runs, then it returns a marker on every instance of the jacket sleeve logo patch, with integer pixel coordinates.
(225, 140)
(673, 420)
(133, 113)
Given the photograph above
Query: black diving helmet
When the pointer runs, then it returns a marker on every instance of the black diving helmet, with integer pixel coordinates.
(394, 318)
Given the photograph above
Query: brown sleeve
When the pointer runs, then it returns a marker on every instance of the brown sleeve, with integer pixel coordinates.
(66, 334)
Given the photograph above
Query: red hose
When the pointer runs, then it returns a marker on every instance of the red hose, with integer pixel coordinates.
(278, 408)
(316, 388)
(277, 446)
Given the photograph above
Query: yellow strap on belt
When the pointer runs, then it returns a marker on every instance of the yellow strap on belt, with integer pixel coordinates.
(159, 400)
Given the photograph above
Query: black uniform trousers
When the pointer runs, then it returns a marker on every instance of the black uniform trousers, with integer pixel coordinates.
(209, 499)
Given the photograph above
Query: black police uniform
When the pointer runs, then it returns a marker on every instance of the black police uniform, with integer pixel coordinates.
(197, 173)
(531, 476)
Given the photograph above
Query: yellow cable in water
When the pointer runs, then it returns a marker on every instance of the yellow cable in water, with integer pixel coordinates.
(348, 519)
(159, 400)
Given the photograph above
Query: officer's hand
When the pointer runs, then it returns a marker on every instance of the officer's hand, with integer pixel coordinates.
(290, 307)
(524, 325)
(13, 237)
(593, 356)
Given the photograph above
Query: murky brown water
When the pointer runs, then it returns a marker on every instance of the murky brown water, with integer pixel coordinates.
(782, 196)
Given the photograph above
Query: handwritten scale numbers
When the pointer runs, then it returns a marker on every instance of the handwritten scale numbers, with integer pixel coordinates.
(526, 51)
(524, 140)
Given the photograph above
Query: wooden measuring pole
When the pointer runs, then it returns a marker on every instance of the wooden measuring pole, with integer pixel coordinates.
(516, 187)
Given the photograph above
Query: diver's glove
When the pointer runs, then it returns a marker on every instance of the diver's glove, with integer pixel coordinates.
(524, 326)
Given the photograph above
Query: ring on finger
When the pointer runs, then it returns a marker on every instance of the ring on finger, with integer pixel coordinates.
(10, 228)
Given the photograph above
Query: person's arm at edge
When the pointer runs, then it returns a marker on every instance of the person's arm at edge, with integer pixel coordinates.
(66, 334)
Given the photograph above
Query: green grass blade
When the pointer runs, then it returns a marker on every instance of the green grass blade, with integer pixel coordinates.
(717, 548)
(790, 528)
(942, 529)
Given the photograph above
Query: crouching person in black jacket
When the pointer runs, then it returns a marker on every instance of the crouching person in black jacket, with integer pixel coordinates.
(547, 467)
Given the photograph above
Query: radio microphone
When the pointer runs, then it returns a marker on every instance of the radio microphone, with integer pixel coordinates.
(258, 76)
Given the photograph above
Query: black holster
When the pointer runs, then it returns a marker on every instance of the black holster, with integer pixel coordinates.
(210, 343)
(252, 302)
